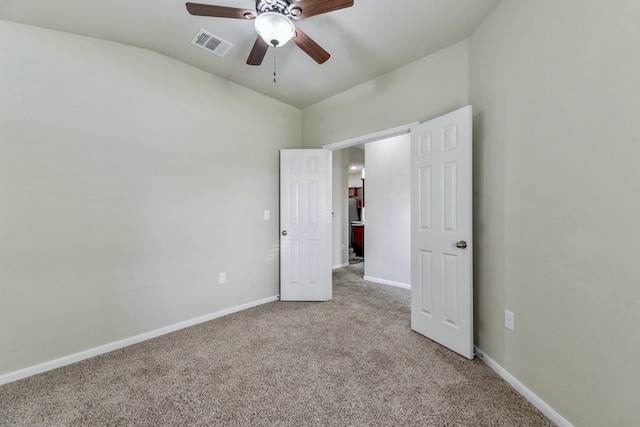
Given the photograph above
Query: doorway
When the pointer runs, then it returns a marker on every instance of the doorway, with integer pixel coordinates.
(356, 205)
(385, 220)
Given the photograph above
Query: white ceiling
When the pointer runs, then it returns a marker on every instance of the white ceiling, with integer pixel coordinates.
(365, 41)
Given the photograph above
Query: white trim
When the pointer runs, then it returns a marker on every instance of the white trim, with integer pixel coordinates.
(375, 136)
(387, 282)
(335, 267)
(523, 390)
(96, 351)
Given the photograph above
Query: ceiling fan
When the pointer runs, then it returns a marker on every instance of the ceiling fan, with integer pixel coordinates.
(274, 23)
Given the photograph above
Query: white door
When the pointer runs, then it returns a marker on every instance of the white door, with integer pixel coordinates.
(441, 231)
(305, 225)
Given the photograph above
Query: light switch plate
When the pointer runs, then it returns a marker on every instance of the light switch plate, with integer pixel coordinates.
(267, 215)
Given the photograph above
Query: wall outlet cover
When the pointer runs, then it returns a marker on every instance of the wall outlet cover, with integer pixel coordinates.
(509, 320)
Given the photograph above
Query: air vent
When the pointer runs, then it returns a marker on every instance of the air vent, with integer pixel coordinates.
(213, 44)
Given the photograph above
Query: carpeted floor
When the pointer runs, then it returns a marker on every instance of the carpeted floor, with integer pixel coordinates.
(351, 361)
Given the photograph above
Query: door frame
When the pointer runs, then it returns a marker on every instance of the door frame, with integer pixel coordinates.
(363, 139)
(371, 137)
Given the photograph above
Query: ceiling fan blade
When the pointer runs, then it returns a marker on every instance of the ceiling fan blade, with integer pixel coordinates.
(220, 11)
(258, 52)
(316, 7)
(310, 47)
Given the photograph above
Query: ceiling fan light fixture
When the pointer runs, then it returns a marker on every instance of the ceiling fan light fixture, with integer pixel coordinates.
(275, 28)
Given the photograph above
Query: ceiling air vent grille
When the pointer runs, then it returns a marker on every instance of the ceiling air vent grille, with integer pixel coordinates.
(214, 44)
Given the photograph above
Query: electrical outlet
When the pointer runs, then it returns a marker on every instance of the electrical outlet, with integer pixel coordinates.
(509, 320)
(222, 278)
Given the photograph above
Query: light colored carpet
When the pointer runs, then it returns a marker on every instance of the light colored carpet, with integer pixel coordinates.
(351, 361)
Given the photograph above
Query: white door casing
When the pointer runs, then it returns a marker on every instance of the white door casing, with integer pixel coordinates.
(305, 225)
(441, 225)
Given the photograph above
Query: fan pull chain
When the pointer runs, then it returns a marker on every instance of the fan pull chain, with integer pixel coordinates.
(274, 65)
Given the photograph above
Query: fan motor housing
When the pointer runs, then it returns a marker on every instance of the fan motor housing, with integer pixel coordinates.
(280, 6)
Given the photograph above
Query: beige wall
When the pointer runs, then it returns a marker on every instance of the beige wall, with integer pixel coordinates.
(128, 181)
(422, 90)
(555, 86)
(388, 212)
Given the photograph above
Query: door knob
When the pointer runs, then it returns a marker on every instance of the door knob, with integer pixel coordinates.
(284, 232)
(461, 244)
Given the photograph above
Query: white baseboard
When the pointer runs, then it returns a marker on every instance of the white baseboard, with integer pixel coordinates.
(524, 391)
(340, 266)
(387, 282)
(86, 354)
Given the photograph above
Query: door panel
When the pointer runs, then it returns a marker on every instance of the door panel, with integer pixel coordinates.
(426, 208)
(426, 275)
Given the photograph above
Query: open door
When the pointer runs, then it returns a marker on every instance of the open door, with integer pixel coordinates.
(305, 225)
(441, 231)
